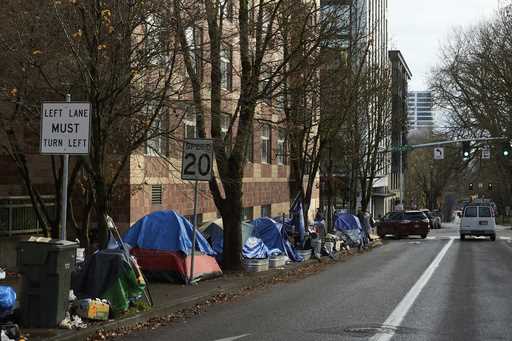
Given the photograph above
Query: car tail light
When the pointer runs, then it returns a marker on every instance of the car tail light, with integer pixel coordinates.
(426, 221)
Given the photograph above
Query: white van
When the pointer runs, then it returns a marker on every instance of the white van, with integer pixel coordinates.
(478, 220)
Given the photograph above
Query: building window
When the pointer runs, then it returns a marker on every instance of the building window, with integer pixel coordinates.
(249, 155)
(190, 126)
(281, 147)
(247, 213)
(265, 86)
(266, 210)
(156, 194)
(266, 145)
(154, 145)
(154, 41)
(226, 67)
(194, 37)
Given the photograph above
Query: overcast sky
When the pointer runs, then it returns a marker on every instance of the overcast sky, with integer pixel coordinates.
(419, 27)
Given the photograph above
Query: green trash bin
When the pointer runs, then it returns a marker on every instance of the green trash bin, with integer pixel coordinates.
(46, 266)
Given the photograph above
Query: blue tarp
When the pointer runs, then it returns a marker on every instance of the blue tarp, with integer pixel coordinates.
(254, 248)
(273, 235)
(297, 213)
(350, 225)
(7, 300)
(166, 231)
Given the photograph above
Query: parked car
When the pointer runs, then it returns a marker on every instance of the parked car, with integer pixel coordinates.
(402, 224)
(478, 220)
(434, 220)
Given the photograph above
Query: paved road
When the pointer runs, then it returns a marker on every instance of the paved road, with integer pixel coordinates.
(409, 289)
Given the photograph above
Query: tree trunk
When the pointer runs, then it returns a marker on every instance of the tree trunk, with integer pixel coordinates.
(231, 212)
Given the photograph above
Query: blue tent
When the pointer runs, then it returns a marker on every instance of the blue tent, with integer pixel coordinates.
(166, 231)
(214, 232)
(273, 235)
(349, 225)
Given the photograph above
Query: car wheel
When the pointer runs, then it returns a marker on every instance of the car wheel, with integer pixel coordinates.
(423, 236)
(462, 237)
(493, 237)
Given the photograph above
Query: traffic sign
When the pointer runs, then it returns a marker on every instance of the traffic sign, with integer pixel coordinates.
(438, 153)
(486, 153)
(197, 160)
(65, 128)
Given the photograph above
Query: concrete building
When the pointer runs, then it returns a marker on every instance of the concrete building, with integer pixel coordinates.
(400, 75)
(420, 110)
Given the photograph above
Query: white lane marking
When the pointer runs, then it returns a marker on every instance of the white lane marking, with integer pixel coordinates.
(431, 238)
(233, 338)
(395, 319)
(506, 238)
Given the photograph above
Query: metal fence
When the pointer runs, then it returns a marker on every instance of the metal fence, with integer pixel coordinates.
(17, 216)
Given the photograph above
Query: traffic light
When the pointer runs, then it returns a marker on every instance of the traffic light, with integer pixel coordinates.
(505, 149)
(489, 187)
(470, 186)
(466, 149)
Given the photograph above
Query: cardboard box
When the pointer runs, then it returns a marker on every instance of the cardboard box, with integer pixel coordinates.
(93, 309)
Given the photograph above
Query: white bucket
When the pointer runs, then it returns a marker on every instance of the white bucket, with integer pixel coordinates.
(256, 265)
(277, 261)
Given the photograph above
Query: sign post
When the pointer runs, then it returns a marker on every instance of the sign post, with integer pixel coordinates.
(65, 128)
(197, 163)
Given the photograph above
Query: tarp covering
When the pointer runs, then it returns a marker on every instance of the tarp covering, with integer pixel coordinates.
(166, 231)
(254, 248)
(273, 236)
(107, 274)
(7, 300)
(349, 225)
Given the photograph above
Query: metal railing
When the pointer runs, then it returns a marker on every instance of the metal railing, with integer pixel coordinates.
(17, 216)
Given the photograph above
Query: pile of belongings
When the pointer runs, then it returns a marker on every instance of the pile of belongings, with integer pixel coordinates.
(109, 275)
(162, 244)
(8, 331)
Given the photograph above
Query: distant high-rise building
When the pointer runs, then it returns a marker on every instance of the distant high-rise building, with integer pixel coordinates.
(420, 114)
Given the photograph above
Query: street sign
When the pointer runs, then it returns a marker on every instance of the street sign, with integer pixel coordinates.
(197, 163)
(65, 128)
(197, 160)
(486, 153)
(438, 153)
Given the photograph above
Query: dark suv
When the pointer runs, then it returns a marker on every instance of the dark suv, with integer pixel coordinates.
(402, 224)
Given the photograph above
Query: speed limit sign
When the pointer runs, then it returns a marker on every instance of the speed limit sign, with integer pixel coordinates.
(197, 161)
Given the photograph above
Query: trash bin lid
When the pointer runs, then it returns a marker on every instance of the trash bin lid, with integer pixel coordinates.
(57, 243)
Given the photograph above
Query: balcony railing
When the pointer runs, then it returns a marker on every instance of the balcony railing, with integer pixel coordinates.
(17, 216)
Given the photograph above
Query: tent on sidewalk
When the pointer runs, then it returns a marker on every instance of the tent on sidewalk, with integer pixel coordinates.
(162, 243)
(273, 235)
(349, 226)
(213, 231)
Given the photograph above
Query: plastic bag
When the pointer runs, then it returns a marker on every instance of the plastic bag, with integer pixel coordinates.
(7, 299)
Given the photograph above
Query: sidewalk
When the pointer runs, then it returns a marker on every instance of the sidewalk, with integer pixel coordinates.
(173, 302)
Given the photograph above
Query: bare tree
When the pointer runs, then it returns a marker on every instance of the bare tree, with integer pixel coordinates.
(117, 56)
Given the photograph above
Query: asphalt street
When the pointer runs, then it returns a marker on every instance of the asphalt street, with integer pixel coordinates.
(439, 288)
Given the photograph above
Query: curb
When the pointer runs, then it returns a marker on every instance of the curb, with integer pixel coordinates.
(83, 334)
(176, 305)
